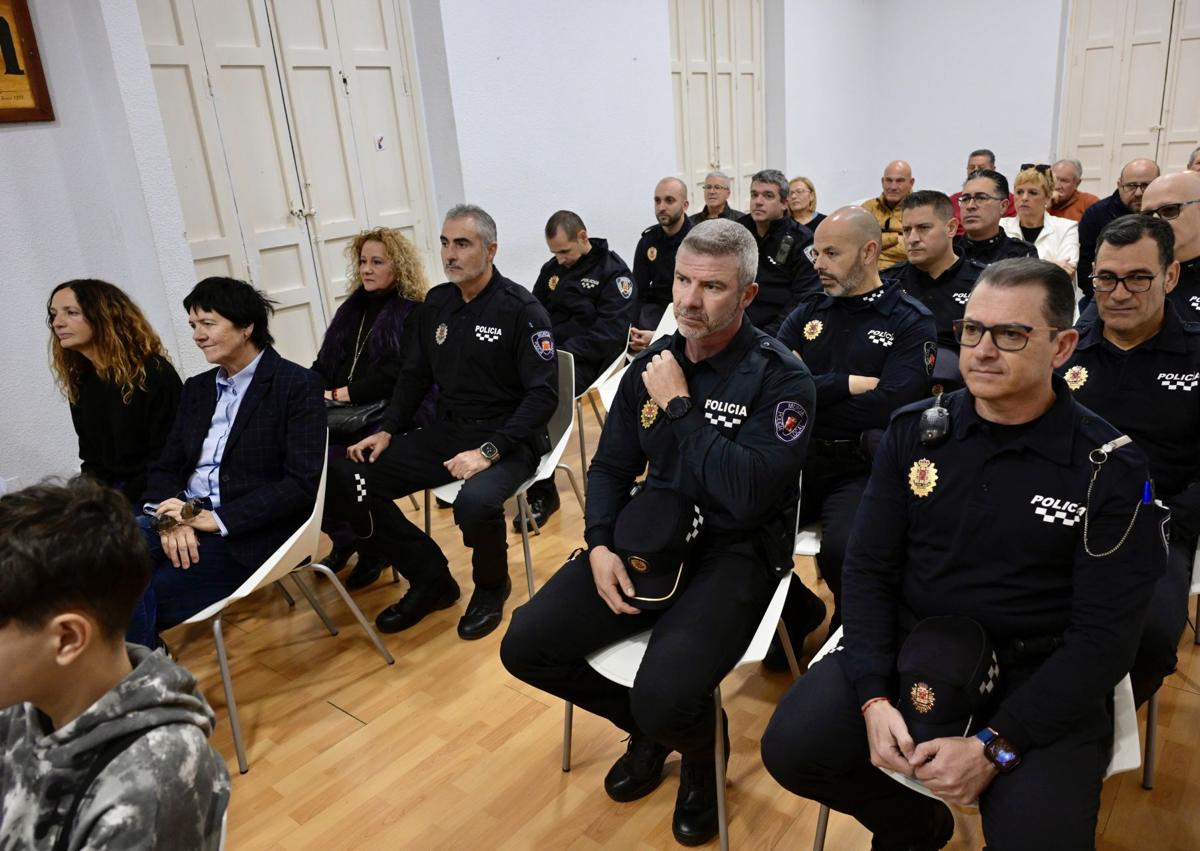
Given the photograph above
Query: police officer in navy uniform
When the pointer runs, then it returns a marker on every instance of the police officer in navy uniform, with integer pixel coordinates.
(589, 293)
(871, 350)
(1138, 366)
(486, 342)
(982, 203)
(785, 274)
(985, 507)
(654, 258)
(1175, 198)
(720, 411)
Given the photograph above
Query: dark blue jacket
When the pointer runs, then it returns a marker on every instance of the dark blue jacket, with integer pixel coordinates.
(272, 461)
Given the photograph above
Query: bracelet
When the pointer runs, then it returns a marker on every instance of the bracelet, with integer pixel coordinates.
(873, 700)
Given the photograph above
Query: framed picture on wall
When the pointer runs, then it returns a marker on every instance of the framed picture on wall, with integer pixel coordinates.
(23, 92)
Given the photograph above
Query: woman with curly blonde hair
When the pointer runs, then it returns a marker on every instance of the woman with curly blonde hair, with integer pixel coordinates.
(359, 359)
(113, 370)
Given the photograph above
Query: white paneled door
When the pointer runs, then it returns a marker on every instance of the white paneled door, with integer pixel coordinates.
(716, 77)
(1130, 88)
(303, 133)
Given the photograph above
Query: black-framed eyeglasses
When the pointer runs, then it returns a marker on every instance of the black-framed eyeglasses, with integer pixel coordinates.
(977, 198)
(1135, 186)
(1041, 167)
(1169, 212)
(1007, 336)
(1106, 282)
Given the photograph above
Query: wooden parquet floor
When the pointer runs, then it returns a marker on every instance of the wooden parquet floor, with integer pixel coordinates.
(444, 750)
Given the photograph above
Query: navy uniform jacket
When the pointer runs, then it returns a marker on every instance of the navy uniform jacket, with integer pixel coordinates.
(654, 263)
(1186, 295)
(1151, 393)
(884, 333)
(785, 275)
(1094, 219)
(492, 359)
(737, 454)
(990, 525)
(272, 461)
(945, 296)
(590, 304)
(988, 251)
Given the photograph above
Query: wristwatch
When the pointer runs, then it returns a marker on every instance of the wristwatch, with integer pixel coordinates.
(489, 451)
(998, 750)
(678, 407)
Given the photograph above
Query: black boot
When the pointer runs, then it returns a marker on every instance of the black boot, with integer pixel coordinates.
(541, 506)
(336, 558)
(639, 770)
(941, 830)
(484, 611)
(366, 571)
(696, 819)
(803, 611)
(417, 603)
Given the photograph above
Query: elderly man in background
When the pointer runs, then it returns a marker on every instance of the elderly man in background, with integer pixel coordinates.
(1068, 202)
(897, 182)
(1175, 198)
(716, 199)
(1135, 177)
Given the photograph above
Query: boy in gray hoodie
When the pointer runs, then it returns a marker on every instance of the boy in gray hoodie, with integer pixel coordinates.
(103, 745)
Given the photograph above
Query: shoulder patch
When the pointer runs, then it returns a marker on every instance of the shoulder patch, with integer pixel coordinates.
(543, 344)
(790, 421)
(625, 286)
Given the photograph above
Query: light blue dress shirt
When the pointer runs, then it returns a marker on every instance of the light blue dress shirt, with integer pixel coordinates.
(206, 480)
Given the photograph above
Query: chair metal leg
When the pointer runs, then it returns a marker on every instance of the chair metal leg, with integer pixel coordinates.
(1151, 755)
(579, 495)
(354, 609)
(315, 603)
(523, 508)
(719, 753)
(428, 516)
(1196, 622)
(822, 826)
(291, 601)
(568, 719)
(227, 683)
(413, 499)
(788, 650)
(582, 442)
(596, 409)
(395, 575)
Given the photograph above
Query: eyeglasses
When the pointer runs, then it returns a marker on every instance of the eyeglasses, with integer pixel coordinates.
(1170, 211)
(1135, 187)
(1041, 167)
(1106, 282)
(1007, 336)
(712, 187)
(977, 198)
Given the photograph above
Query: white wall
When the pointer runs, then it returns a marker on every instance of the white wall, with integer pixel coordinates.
(869, 81)
(560, 105)
(87, 195)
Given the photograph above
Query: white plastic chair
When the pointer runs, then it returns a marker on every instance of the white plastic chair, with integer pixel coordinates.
(1126, 753)
(296, 554)
(607, 372)
(808, 538)
(559, 429)
(608, 388)
(619, 662)
(1195, 589)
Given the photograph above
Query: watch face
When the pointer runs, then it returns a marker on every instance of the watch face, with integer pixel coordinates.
(1003, 754)
(489, 451)
(678, 406)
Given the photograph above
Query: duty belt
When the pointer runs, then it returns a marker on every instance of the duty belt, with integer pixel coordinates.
(482, 422)
(1028, 651)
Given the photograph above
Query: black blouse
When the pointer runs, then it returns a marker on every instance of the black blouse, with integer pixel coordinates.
(118, 440)
(373, 380)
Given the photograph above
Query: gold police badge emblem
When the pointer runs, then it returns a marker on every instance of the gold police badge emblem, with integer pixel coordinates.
(813, 329)
(439, 336)
(649, 413)
(553, 282)
(651, 253)
(638, 564)
(1076, 377)
(922, 697)
(922, 477)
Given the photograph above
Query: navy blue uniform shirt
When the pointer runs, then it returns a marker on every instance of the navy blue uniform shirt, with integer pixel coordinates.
(884, 333)
(989, 251)
(945, 296)
(785, 274)
(990, 525)
(654, 263)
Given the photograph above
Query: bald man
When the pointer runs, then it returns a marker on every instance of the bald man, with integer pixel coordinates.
(1135, 177)
(654, 258)
(897, 182)
(871, 349)
(1175, 198)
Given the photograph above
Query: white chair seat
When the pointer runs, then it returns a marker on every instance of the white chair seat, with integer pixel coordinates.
(808, 540)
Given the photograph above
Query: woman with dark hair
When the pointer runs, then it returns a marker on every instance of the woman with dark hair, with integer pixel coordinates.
(359, 359)
(114, 371)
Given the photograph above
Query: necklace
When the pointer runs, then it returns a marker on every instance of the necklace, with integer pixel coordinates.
(360, 343)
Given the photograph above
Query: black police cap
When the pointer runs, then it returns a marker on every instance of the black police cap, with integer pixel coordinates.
(949, 677)
(653, 534)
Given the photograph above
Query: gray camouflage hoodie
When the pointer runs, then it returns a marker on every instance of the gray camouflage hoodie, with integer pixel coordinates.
(168, 789)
